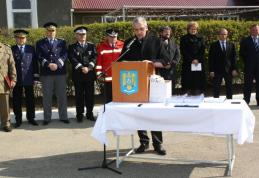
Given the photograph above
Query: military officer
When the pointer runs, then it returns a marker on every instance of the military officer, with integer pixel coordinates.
(52, 55)
(82, 56)
(27, 71)
(7, 82)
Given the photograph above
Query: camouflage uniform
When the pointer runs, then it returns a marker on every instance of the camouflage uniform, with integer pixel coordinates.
(7, 67)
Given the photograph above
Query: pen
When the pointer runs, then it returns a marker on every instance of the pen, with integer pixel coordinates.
(188, 106)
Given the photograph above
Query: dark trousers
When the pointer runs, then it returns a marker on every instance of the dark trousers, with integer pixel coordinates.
(156, 137)
(248, 85)
(84, 93)
(108, 92)
(29, 100)
(217, 84)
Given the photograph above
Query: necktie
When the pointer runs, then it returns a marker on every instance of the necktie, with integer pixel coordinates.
(256, 44)
(166, 44)
(21, 49)
(223, 47)
(51, 42)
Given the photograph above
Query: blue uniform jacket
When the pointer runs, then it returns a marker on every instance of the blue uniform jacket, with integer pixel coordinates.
(26, 65)
(47, 53)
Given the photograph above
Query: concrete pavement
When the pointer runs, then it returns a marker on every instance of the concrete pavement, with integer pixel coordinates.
(58, 150)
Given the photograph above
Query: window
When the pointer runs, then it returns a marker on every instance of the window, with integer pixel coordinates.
(22, 13)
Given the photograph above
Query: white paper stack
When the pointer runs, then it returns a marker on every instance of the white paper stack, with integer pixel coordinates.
(221, 99)
(160, 89)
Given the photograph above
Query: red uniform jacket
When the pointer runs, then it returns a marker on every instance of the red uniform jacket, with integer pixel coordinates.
(105, 56)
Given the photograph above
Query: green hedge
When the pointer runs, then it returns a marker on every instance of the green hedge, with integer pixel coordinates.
(208, 28)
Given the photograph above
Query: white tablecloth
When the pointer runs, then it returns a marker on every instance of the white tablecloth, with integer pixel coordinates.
(212, 118)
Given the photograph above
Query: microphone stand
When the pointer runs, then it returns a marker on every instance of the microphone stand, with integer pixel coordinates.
(105, 164)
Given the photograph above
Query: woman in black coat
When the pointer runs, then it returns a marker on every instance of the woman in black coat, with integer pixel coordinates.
(192, 48)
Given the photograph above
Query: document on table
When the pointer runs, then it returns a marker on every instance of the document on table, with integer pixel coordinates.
(196, 67)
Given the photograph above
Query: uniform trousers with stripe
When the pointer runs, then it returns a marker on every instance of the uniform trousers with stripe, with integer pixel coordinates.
(54, 84)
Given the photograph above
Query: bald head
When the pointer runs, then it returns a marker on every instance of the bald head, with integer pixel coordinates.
(223, 34)
(254, 30)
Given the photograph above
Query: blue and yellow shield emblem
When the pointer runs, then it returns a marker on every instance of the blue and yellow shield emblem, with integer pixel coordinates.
(129, 81)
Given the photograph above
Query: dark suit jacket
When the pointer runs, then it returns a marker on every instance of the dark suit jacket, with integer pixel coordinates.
(26, 65)
(249, 55)
(222, 62)
(173, 52)
(82, 57)
(150, 48)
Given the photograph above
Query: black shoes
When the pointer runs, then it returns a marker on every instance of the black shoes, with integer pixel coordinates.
(65, 121)
(79, 119)
(17, 124)
(33, 122)
(160, 150)
(142, 148)
(45, 122)
(7, 128)
(90, 117)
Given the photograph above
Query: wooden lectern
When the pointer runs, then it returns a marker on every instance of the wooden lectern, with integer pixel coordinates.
(130, 81)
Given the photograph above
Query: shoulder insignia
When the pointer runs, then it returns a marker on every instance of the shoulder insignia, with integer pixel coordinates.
(7, 45)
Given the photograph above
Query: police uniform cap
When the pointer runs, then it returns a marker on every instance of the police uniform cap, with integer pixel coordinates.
(81, 30)
(20, 33)
(112, 32)
(51, 26)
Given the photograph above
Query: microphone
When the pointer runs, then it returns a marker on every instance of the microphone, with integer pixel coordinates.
(130, 43)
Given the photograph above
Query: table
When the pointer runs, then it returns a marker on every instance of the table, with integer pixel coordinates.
(233, 119)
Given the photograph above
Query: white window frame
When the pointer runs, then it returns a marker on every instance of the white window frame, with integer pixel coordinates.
(10, 11)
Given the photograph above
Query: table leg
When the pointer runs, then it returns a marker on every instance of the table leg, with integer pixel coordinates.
(231, 154)
(118, 152)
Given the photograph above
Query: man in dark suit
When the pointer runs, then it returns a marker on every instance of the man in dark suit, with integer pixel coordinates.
(27, 72)
(173, 51)
(222, 63)
(145, 46)
(52, 55)
(249, 52)
(82, 56)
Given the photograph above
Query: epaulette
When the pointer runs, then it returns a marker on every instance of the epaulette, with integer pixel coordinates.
(7, 45)
(60, 39)
(90, 42)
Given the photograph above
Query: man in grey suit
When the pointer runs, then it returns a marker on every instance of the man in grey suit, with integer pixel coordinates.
(249, 52)
(173, 52)
(52, 55)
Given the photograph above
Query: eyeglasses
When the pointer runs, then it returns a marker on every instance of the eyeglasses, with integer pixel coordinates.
(18, 37)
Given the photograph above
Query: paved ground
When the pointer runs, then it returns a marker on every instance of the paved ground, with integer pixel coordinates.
(58, 150)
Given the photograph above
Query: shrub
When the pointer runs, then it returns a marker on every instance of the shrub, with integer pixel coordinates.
(96, 33)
